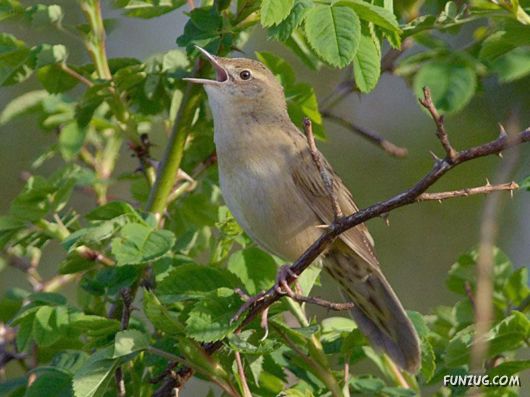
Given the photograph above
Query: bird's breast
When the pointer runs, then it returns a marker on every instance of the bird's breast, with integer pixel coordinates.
(255, 177)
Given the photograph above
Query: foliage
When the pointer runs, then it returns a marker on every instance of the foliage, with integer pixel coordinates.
(183, 272)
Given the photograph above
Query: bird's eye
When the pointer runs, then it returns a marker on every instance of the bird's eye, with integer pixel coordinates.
(245, 75)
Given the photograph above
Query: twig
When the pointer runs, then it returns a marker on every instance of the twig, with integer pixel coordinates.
(488, 235)
(438, 170)
(322, 302)
(68, 70)
(242, 377)
(428, 104)
(371, 136)
(471, 191)
(325, 174)
(124, 324)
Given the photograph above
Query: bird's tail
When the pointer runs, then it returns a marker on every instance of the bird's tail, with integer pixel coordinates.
(377, 312)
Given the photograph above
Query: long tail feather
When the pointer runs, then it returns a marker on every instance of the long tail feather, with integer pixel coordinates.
(378, 312)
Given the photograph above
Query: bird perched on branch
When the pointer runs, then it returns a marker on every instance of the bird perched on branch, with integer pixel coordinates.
(274, 189)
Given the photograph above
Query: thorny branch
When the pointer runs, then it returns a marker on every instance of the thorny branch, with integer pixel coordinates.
(470, 191)
(428, 104)
(438, 170)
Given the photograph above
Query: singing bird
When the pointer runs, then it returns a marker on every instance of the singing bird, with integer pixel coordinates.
(274, 189)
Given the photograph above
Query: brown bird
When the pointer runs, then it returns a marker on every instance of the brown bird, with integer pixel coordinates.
(274, 189)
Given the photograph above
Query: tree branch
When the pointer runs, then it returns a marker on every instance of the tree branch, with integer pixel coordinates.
(438, 170)
(471, 191)
(370, 136)
(428, 104)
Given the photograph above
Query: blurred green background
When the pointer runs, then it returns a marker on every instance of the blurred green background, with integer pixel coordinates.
(422, 241)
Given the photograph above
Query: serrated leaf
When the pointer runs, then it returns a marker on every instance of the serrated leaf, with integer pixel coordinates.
(275, 11)
(193, 281)
(161, 318)
(256, 269)
(129, 341)
(210, 318)
(95, 375)
(113, 210)
(372, 13)
(138, 243)
(334, 32)
(367, 64)
(452, 83)
(284, 29)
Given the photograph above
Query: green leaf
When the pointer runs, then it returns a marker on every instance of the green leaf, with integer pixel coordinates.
(16, 60)
(93, 325)
(509, 334)
(513, 65)
(113, 210)
(513, 36)
(367, 63)
(509, 368)
(25, 104)
(275, 11)
(45, 326)
(138, 243)
(210, 318)
(334, 33)
(241, 343)
(55, 80)
(147, 9)
(452, 83)
(51, 382)
(50, 54)
(162, 319)
(428, 359)
(462, 273)
(129, 341)
(371, 13)
(71, 140)
(41, 14)
(10, 303)
(284, 29)
(193, 281)
(95, 375)
(256, 269)
(75, 262)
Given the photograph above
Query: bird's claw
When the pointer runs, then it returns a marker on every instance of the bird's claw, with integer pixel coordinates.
(282, 286)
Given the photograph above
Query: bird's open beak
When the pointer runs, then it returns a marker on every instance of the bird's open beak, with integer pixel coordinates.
(221, 74)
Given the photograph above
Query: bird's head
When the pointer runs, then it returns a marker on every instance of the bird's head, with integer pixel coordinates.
(241, 82)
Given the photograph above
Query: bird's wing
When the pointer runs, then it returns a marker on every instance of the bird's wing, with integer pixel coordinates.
(307, 178)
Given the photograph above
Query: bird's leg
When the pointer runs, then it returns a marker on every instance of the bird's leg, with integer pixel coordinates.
(282, 286)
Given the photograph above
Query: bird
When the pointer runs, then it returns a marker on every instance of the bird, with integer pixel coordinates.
(273, 187)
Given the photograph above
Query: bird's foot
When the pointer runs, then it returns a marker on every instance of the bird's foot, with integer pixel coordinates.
(282, 286)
